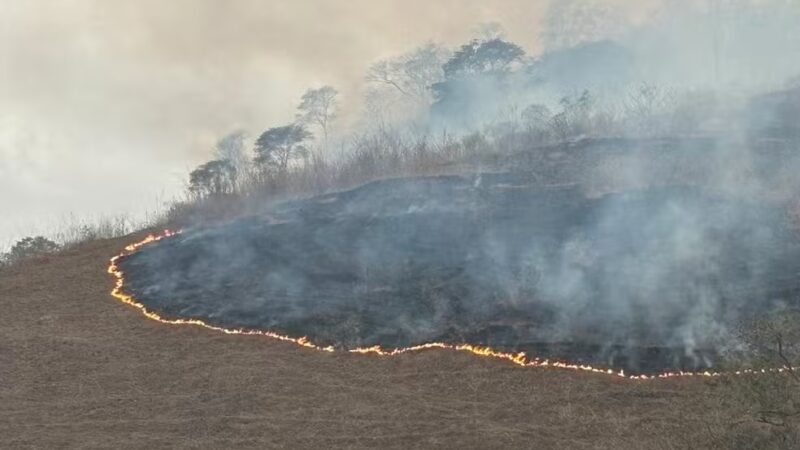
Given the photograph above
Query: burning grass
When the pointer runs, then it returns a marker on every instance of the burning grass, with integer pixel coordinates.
(147, 294)
(519, 359)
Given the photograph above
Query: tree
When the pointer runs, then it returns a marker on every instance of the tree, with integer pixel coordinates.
(411, 74)
(475, 80)
(319, 107)
(231, 148)
(29, 247)
(536, 118)
(575, 117)
(480, 57)
(215, 177)
(278, 146)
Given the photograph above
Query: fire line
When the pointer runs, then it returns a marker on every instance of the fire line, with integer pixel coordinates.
(519, 359)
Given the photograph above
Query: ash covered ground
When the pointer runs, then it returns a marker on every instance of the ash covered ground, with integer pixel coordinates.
(646, 281)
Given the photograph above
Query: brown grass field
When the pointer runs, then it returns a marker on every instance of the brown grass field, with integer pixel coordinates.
(80, 369)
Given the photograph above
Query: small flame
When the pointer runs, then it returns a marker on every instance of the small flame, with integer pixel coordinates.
(519, 359)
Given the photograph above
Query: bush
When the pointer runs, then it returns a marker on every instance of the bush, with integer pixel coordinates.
(29, 247)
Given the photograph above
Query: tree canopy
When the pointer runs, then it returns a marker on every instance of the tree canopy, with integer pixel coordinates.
(319, 107)
(278, 146)
(479, 57)
(29, 247)
(231, 148)
(411, 74)
(215, 177)
(475, 78)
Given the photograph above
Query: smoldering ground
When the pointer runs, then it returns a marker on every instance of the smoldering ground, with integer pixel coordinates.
(645, 280)
(633, 232)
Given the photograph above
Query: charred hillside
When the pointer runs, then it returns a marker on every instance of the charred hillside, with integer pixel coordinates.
(645, 280)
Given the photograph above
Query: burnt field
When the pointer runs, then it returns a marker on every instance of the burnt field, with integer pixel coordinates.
(81, 370)
(646, 281)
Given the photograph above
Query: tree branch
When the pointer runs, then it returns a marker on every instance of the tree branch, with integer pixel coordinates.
(786, 363)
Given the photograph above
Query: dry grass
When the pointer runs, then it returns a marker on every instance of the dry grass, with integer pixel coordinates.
(81, 370)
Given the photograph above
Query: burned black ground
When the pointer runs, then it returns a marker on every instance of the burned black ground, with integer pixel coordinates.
(646, 280)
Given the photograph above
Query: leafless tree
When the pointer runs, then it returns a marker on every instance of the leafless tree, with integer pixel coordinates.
(411, 74)
(490, 31)
(319, 107)
(231, 148)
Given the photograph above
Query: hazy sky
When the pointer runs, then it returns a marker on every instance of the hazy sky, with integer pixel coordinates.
(106, 105)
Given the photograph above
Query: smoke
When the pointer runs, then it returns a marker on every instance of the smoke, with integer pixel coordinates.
(629, 193)
(144, 90)
(723, 50)
(105, 105)
(645, 280)
(629, 204)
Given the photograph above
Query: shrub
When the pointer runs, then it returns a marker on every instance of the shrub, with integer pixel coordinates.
(29, 247)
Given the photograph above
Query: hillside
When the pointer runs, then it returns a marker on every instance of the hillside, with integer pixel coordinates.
(79, 368)
(646, 281)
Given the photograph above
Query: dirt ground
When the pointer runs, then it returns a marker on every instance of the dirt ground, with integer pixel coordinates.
(79, 369)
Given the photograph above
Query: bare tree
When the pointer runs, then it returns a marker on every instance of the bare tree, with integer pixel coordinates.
(231, 148)
(646, 109)
(411, 74)
(536, 119)
(319, 107)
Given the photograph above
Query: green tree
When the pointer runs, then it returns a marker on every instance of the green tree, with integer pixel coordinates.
(29, 247)
(475, 79)
(215, 177)
(480, 57)
(279, 146)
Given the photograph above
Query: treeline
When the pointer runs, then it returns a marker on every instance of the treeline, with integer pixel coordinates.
(599, 74)
(434, 106)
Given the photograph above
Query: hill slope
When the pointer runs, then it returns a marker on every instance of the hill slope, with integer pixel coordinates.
(646, 281)
(80, 369)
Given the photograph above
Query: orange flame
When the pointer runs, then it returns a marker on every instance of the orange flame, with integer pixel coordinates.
(520, 359)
